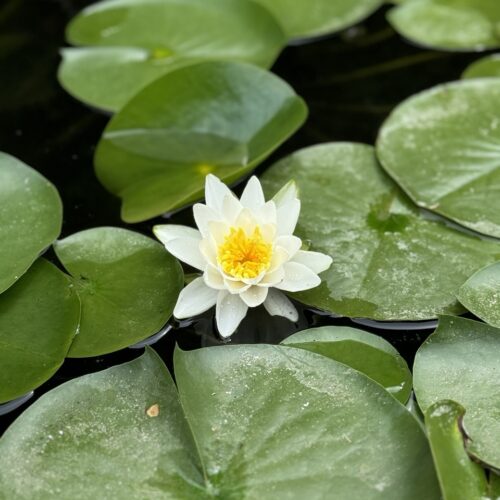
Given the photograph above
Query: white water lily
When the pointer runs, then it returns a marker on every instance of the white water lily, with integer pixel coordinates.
(246, 251)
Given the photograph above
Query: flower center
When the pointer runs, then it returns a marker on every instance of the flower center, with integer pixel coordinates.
(242, 256)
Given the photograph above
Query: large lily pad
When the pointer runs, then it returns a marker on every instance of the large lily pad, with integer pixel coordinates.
(390, 262)
(127, 283)
(303, 19)
(219, 117)
(30, 218)
(268, 422)
(486, 67)
(443, 148)
(460, 362)
(363, 351)
(449, 24)
(38, 321)
(133, 43)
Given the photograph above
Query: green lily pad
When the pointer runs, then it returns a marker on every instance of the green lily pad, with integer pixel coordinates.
(301, 19)
(480, 294)
(390, 262)
(268, 422)
(127, 283)
(363, 351)
(460, 362)
(443, 148)
(133, 43)
(449, 24)
(30, 218)
(38, 320)
(157, 150)
(486, 67)
(458, 475)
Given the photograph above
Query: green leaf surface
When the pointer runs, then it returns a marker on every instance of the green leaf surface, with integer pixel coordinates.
(127, 283)
(132, 43)
(485, 67)
(460, 362)
(458, 475)
(30, 218)
(449, 24)
(363, 351)
(442, 147)
(494, 486)
(480, 294)
(305, 19)
(216, 117)
(390, 262)
(38, 321)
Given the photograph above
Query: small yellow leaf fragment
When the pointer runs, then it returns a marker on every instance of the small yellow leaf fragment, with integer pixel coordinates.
(205, 169)
(153, 410)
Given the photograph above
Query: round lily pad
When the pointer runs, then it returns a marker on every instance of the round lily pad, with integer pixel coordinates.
(212, 117)
(390, 262)
(486, 67)
(127, 283)
(38, 320)
(30, 218)
(442, 147)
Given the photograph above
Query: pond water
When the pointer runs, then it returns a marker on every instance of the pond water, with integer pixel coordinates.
(350, 83)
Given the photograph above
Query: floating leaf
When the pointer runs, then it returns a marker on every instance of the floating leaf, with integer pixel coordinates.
(301, 19)
(488, 66)
(390, 262)
(38, 320)
(458, 475)
(217, 117)
(449, 24)
(480, 294)
(133, 43)
(442, 147)
(460, 362)
(363, 351)
(127, 283)
(30, 218)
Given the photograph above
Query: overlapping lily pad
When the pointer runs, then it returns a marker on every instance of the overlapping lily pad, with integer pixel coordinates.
(127, 283)
(30, 218)
(486, 67)
(132, 43)
(459, 362)
(443, 148)
(390, 262)
(449, 24)
(249, 410)
(363, 351)
(38, 321)
(217, 117)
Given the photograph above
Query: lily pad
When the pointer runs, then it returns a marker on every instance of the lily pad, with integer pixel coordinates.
(363, 351)
(132, 43)
(38, 321)
(470, 25)
(480, 294)
(212, 117)
(390, 262)
(486, 67)
(442, 147)
(250, 410)
(303, 19)
(458, 475)
(127, 283)
(460, 362)
(30, 218)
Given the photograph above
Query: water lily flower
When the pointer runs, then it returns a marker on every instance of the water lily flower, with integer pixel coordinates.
(247, 253)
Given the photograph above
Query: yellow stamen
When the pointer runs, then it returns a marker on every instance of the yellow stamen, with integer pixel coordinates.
(242, 256)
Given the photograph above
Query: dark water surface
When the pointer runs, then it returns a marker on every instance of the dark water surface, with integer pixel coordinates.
(350, 83)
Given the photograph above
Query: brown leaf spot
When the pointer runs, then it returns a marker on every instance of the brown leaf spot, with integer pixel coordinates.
(153, 410)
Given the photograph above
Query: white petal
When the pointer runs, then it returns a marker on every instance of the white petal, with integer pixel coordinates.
(254, 296)
(287, 193)
(195, 299)
(316, 261)
(272, 279)
(290, 243)
(209, 251)
(235, 286)
(231, 208)
(277, 304)
(279, 257)
(187, 250)
(213, 278)
(287, 216)
(215, 192)
(267, 214)
(298, 277)
(168, 232)
(253, 196)
(218, 232)
(246, 221)
(230, 310)
(202, 216)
